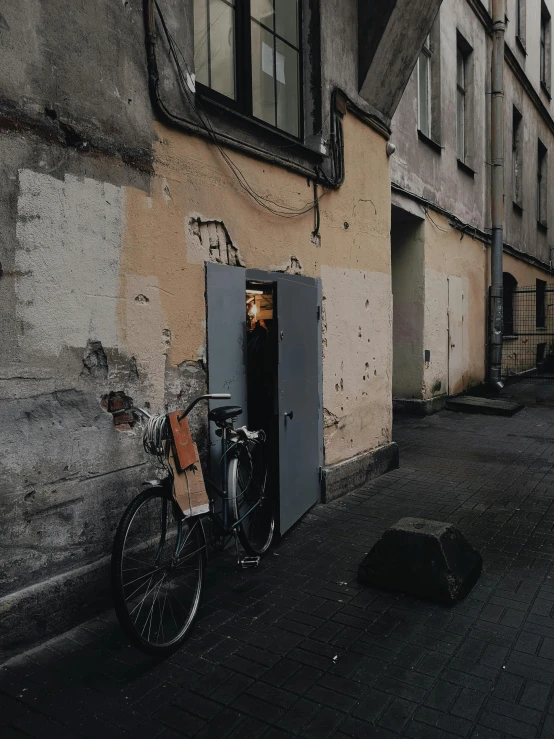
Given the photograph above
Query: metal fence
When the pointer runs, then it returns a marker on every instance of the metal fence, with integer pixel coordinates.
(528, 349)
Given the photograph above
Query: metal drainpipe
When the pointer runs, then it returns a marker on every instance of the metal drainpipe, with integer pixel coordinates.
(497, 192)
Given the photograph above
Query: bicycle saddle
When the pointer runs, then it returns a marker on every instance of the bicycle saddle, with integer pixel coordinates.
(217, 415)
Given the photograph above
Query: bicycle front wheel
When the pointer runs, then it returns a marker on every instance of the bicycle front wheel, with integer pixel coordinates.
(250, 505)
(157, 568)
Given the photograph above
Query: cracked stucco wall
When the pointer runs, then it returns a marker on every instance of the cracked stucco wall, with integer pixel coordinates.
(195, 219)
(102, 291)
(69, 233)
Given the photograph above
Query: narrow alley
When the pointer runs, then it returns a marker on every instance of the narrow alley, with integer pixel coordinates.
(298, 648)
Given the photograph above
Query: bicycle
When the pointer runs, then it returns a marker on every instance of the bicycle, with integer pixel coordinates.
(159, 554)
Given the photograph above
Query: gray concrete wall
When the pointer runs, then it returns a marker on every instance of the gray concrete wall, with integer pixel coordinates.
(433, 173)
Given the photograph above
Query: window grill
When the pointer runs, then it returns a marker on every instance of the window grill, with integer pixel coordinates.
(528, 346)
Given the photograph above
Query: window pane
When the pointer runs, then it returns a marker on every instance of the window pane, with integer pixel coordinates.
(460, 127)
(461, 69)
(423, 88)
(262, 10)
(263, 63)
(222, 48)
(286, 60)
(286, 20)
(201, 41)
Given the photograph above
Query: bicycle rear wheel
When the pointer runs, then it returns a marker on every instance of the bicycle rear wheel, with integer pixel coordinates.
(246, 490)
(157, 568)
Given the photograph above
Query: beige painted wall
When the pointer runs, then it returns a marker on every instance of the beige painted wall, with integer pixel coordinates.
(162, 305)
(448, 254)
(451, 257)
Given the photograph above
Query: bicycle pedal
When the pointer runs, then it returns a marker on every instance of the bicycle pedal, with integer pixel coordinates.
(249, 562)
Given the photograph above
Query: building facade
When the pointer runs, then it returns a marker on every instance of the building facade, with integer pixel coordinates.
(441, 203)
(180, 178)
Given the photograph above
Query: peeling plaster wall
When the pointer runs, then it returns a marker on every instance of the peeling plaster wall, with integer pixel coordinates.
(103, 291)
(69, 233)
(66, 471)
(193, 220)
(357, 361)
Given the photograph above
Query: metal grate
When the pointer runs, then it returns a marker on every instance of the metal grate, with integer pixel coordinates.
(528, 348)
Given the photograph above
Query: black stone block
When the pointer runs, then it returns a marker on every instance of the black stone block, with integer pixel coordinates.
(429, 559)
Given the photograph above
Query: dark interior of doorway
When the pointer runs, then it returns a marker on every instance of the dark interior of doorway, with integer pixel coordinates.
(261, 372)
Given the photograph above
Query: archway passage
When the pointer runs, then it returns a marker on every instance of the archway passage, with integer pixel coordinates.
(408, 289)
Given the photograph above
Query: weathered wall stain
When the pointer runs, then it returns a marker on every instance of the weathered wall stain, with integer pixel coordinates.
(69, 233)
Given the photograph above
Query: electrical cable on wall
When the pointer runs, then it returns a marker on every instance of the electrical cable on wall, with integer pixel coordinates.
(436, 225)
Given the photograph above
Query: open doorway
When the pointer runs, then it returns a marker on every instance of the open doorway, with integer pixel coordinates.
(408, 289)
(266, 352)
(261, 372)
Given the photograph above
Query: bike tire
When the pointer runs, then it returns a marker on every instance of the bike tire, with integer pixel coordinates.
(167, 594)
(255, 532)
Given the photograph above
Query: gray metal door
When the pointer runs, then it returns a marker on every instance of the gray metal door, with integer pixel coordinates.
(225, 290)
(298, 397)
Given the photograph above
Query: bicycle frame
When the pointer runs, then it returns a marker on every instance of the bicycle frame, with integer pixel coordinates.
(223, 521)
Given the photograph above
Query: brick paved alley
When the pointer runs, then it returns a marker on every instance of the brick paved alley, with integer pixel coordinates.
(297, 648)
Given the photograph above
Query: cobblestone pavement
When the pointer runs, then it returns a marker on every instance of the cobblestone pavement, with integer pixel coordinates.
(298, 648)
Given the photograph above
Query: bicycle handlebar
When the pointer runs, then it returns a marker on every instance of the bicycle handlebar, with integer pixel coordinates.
(211, 396)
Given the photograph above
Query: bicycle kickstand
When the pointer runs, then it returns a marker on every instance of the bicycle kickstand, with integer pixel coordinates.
(245, 561)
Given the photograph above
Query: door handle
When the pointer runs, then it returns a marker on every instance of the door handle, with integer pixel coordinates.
(289, 414)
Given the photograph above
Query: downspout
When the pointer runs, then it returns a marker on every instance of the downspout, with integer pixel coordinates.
(497, 193)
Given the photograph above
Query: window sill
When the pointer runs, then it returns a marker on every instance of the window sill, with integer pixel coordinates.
(510, 337)
(541, 328)
(542, 226)
(546, 90)
(518, 207)
(259, 128)
(521, 44)
(431, 143)
(466, 168)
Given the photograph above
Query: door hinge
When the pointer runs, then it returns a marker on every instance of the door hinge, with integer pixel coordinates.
(318, 312)
(320, 473)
